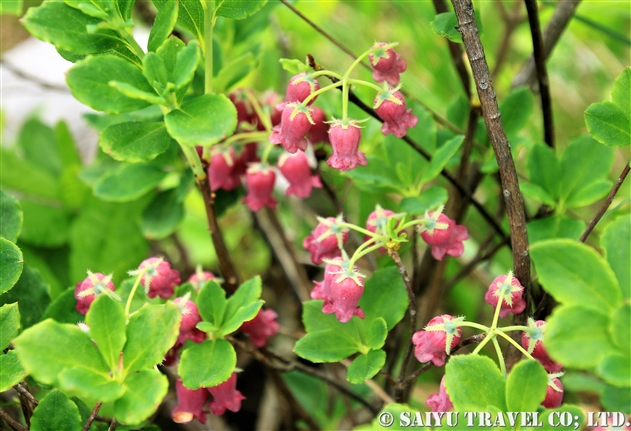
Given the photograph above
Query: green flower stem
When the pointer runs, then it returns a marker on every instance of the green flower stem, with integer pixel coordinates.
(365, 84)
(247, 136)
(472, 325)
(498, 350)
(496, 316)
(345, 89)
(194, 161)
(489, 335)
(209, 24)
(320, 91)
(410, 224)
(514, 343)
(514, 328)
(133, 291)
(325, 73)
(265, 118)
(362, 230)
(358, 255)
(267, 152)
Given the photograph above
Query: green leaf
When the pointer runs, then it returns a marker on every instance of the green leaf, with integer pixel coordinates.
(574, 412)
(588, 194)
(11, 371)
(615, 242)
(315, 321)
(162, 216)
(106, 319)
(327, 345)
(190, 16)
(155, 71)
(365, 366)
(134, 93)
(89, 83)
(293, 66)
(168, 53)
(555, 227)
(163, 25)
(31, 294)
(65, 27)
(441, 158)
(10, 217)
(186, 64)
(615, 369)
(249, 292)
(576, 275)
(445, 24)
(474, 383)
(238, 9)
(66, 146)
(45, 225)
(11, 264)
(373, 177)
(9, 324)
(64, 308)
(37, 142)
(526, 386)
(235, 71)
(384, 296)
(144, 391)
(620, 94)
(11, 7)
(609, 124)
(537, 193)
(219, 358)
(67, 347)
(204, 120)
(430, 198)
(135, 141)
(38, 182)
(56, 412)
(516, 110)
(128, 182)
(616, 399)
(573, 343)
(211, 303)
(151, 332)
(89, 385)
(620, 328)
(544, 169)
(376, 334)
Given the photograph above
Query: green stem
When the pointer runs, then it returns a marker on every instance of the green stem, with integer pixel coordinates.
(194, 161)
(496, 316)
(267, 152)
(246, 136)
(320, 91)
(489, 336)
(267, 122)
(498, 350)
(362, 230)
(345, 89)
(209, 25)
(514, 343)
(133, 292)
(410, 224)
(357, 255)
(366, 84)
(514, 328)
(325, 73)
(473, 325)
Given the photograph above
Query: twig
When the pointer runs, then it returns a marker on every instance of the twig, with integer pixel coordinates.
(228, 272)
(92, 416)
(12, 422)
(112, 426)
(542, 73)
(23, 391)
(606, 204)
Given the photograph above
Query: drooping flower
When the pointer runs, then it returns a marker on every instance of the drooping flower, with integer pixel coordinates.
(320, 130)
(326, 239)
(295, 168)
(440, 402)
(294, 126)
(221, 170)
(190, 404)
(158, 277)
(263, 326)
(322, 289)
(245, 111)
(391, 108)
(387, 64)
(95, 284)
(190, 319)
(444, 235)
(345, 136)
(510, 291)
(346, 290)
(299, 88)
(435, 342)
(259, 181)
(200, 278)
(226, 396)
(554, 393)
(269, 100)
(377, 221)
(532, 341)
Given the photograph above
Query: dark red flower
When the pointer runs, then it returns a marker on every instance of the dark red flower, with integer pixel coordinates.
(295, 168)
(159, 278)
(345, 137)
(263, 326)
(295, 124)
(86, 291)
(435, 342)
(325, 240)
(390, 106)
(259, 181)
(226, 396)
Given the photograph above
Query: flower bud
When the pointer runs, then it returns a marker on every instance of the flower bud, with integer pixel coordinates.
(532, 341)
(295, 167)
(510, 291)
(440, 402)
(158, 278)
(444, 235)
(295, 124)
(226, 396)
(387, 64)
(190, 319)
(221, 171)
(263, 326)
(396, 118)
(345, 137)
(259, 181)
(554, 394)
(346, 290)
(376, 223)
(86, 291)
(435, 342)
(299, 88)
(190, 404)
(320, 130)
(200, 278)
(326, 239)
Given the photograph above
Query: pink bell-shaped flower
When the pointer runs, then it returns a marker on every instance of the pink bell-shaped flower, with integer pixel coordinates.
(346, 290)
(376, 223)
(387, 64)
(221, 171)
(295, 124)
(444, 235)
(295, 167)
(440, 402)
(200, 278)
(510, 291)
(397, 119)
(299, 88)
(554, 393)
(158, 278)
(245, 111)
(190, 404)
(95, 284)
(190, 319)
(322, 289)
(259, 181)
(226, 396)
(435, 342)
(320, 130)
(326, 239)
(263, 326)
(532, 341)
(345, 137)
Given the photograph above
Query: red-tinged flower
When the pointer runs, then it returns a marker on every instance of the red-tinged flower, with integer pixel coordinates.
(95, 284)
(200, 278)
(245, 111)
(190, 404)
(295, 167)
(269, 100)
(554, 393)
(377, 221)
(532, 341)
(247, 155)
(440, 402)
(435, 342)
(387, 64)
(326, 239)
(345, 136)
(444, 235)
(226, 396)
(221, 171)
(320, 130)
(295, 124)
(299, 88)
(346, 290)
(190, 319)
(263, 326)
(391, 108)
(259, 181)
(322, 289)
(510, 291)
(158, 277)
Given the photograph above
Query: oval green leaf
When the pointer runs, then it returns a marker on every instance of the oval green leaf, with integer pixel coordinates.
(11, 264)
(144, 391)
(56, 412)
(328, 345)
(106, 319)
(366, 366)
(9, 324)
(162, 215)
(526, 386)
(163, 25)
(238, 9)
(11, 371)
(474, 382)
(615, 242)
(10, 217)
(128, 182)
(219, 353)
(135, 141)
(609, 124)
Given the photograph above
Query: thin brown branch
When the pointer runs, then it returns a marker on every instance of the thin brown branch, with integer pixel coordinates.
(11, 422)
(542, 73)
(24, 391)
(606, 204)
(92, 416)
(228, 271)
(113, 425)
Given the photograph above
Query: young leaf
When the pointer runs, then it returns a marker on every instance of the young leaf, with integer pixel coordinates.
(106, 319)
(90, 385)
(9, 324)
(609, 124)
(219, 357)
(537, 193)
(328, 345)
(526, 386)
(615, 242)
(128, 182)
(144, 391)
(544, 169)
(588, 194)
(10, 217)
(155, 71)
(238, 9)
(555, 227)
(376, 333)
(384, 296)
(366, 366)
(185, 64)
(11, 264)
(441, 158)
(134, 93)
(162, 215)
(135, 141)
(163, 25)
(516, 110)
(474, 383)
(430, 198)
(247, 293)
(190, 16)
(211, 303)
(56, 412)
(243, 314)
(11, 371)
(168, 53)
